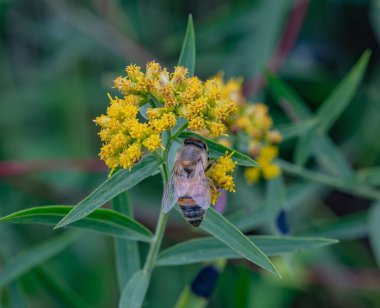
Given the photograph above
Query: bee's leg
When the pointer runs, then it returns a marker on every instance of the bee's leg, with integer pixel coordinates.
(210, 164)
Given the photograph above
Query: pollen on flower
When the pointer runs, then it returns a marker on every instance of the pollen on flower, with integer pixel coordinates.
(130, 155)
(134, 72)
(216, 129)
(126, 136)
(220, 173)
(152, 143)
(138, 130)
(196, 124)
(214, 196)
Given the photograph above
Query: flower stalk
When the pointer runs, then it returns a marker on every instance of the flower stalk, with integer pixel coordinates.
(159, 233)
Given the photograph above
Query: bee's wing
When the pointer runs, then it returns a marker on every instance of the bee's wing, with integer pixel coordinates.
(200, 190)
(181, 180)
(170, 196)
(176, 187)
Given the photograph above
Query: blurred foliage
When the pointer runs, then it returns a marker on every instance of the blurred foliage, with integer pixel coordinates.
(58, 60)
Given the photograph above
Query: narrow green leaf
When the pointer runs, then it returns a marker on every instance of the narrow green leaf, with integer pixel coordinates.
(22, 263)
(126, 251)
(121, 181)
(188, 55)
(332, 108)
(135, 290)
(297, 129)
(374, 230)
(330, 158)
(297, 110)
(16, 296)
(226, 232)
(348, 227)
(247, 221)
(209, 248)
(216, 150)
(294, 105)
(304, 147)
(338, 100)
(299, 193)
(369, 176)
(348, 185)
(275, 198)
(103, 221)
(55, 287)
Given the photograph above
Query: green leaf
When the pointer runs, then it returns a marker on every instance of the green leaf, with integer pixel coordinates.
(292, 130)
(249, 220)
(55, 287)
(216, 150)
(348, 227)
(338, 100)
(126, 251)
(207, 249)
(103, 221)
(374, 230)
(24, 262)
(304, 147)
(369, 176)
(16, 296)
(294, 105)
(134, 292)
(226, 232)
(121, 181)
(275, 198)
(349, 185)
(332, 108)
(187, 56)
(330, 158)
(297, 110)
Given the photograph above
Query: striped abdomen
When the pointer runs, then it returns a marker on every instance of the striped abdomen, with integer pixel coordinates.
(191, 211)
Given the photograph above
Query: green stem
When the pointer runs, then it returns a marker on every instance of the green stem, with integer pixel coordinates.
(179, 130)
(158, 235)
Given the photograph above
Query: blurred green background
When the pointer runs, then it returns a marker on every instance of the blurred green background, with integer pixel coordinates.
(58, 60)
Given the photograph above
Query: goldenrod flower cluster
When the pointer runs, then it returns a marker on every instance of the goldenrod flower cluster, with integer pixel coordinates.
(220, 173)
(126, 135)
(254, 121)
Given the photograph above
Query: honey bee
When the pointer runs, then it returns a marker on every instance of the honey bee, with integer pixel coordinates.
(188, 185)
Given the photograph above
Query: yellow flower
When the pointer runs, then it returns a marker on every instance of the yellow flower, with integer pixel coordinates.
(206, 106)
(196, 124)
(179, 77)
(214, 196)
(216, 129)
(268, 153)
(167, 120)
(274, 137)
(252, 175)
(271, 171)
(153, 70)
(138, 130)
(130, 155)
(152, 143)
(220, 173)
(134, 72)
(194, 89)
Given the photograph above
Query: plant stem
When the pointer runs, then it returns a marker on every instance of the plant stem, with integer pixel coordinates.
(179, 130)
(159, 233)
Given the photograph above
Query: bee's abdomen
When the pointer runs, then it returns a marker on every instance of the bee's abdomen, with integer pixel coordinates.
(192, 212)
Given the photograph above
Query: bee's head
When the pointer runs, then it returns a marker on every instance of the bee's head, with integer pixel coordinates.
(196, 142)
